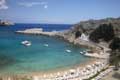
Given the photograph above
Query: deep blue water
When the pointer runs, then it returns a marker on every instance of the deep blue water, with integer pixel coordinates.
(46, 27)
(16, 58)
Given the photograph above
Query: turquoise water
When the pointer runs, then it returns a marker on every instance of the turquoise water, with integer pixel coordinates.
(16, 58)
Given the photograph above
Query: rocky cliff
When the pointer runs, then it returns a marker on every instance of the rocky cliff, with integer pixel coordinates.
(104, 30)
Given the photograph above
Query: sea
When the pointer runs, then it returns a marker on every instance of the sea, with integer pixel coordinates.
(16, 58)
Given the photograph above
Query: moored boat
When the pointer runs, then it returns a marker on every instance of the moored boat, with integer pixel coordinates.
(26, 43)
(68, 50)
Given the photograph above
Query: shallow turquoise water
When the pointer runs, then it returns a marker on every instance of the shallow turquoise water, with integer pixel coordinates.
(16, 58)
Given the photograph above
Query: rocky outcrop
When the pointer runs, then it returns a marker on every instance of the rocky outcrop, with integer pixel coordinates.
(98, 30)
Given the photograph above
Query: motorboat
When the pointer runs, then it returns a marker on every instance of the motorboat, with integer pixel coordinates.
(46, 45)
(26, 43)
(68, 50)
(82, 52)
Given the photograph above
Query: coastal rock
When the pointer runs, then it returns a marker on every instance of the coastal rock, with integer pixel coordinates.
(98, 30)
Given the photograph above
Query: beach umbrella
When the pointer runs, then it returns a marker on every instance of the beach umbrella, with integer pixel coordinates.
(89, 66)
(51, 75)
(97, 62)
(58, 73)
(35, 78)
(83, 72)
(72, 70)
(44, 76)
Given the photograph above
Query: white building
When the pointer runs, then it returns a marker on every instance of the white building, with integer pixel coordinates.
(84, 37)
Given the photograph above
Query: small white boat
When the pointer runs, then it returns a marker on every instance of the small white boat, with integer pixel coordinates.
(46, 45)
(81, 52)
(68, 50)
(26, 43)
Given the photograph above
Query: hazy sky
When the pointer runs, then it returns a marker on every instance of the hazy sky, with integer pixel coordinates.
(57, 11)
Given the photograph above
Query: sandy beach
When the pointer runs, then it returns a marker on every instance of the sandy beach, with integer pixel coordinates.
(50, 75)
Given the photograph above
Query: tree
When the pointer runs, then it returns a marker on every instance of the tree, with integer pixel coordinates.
(78, 34)
(115, 59)
(115, 53)
(104, 32)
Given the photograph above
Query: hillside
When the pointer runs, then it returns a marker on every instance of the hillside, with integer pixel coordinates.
(95, 28)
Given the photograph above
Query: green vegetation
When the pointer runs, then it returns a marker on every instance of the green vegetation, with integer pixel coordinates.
(78, 34)
(96, 74)
(115, 53)
(102, 32)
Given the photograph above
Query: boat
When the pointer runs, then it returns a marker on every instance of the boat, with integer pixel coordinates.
(82, 52)
(68, 50)
(5, 23)
(26, 43)
(46, 45)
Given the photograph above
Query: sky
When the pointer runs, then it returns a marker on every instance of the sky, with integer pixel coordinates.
(57, 11)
